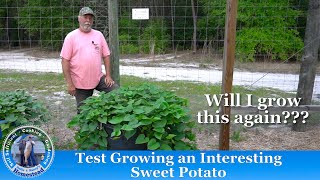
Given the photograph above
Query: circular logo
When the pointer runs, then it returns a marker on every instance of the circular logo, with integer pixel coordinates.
(27, 151)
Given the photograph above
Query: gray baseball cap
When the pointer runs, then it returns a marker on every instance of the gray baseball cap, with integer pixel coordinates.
(86, 10)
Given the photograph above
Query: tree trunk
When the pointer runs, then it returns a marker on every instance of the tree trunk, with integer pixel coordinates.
(194, 38)
(114, 39)
(172, 25)
(309, 60)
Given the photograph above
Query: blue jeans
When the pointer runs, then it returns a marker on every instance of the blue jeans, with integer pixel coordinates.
(32, 160)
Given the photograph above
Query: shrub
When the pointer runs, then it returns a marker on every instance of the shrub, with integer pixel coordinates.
(263, 28)
(19, 108)
(127, 46)
(155, 38)
(128, 35)
(159, 117)
(48, 21)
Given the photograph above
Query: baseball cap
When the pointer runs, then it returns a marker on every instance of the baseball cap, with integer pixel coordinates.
(86, 10)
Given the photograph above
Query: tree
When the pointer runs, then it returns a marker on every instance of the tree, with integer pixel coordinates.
(309, 60)
(10, 34)
(259, 24)
(49, 21)
(194, 37)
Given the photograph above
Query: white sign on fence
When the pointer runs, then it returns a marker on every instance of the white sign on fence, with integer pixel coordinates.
(140, 13)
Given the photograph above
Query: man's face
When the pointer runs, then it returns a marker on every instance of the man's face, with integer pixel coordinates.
(85, 22)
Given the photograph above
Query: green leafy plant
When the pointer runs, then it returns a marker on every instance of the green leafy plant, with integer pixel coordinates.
(265, 28)
(48, 21)
(159, 118)
(19, 108)
(236, 136)
(155, 38)
(128, 34)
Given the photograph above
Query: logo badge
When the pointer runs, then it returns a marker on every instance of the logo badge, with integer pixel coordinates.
(28, 151)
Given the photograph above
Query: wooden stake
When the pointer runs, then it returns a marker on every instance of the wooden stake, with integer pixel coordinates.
(228, 63)
(114, 39)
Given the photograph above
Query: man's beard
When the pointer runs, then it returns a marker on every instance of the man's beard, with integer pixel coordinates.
(86, 27)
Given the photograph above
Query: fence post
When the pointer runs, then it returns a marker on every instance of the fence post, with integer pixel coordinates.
(114, 39)
(228, 63)
(309, 60)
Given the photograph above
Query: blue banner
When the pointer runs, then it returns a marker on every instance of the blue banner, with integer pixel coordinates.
(118, 165)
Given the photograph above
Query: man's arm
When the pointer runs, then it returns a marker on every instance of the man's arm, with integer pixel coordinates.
(109, 81)
(66, 72)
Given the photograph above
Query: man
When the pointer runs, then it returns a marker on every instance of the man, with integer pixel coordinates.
(32, 159)
(81, 55)
(27, 151)
(22, 146)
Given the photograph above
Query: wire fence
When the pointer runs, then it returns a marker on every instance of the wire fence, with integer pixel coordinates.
(180, 40)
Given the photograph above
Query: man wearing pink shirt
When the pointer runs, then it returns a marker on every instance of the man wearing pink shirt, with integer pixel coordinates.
(82, 54)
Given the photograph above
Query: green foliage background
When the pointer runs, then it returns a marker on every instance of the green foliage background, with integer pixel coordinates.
(272, 28)
(264, 28)
(49, 21)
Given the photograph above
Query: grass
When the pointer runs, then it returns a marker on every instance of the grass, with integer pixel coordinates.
(194, 92)
(52, 82)
(46, 82)
(44, 85)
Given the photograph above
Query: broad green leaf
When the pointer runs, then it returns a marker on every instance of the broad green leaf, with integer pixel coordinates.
(129, 134)
(160, 130)
(84, 128)
(5, 126)
(21, 108)
(86, 145)
(153, 144)
(138, 102)
(165, 147)
(181, 127)
(134, 124)
(159, 124)
(103, 133)
(141, 139)
(103, 120)
(170, 136)
(138, 111)
(116, 120)
(93, 126)
(94, 139)
(146, 122)
(128, 117)
(103, 142)
(158, 135)
(11, 118)
(179, 136)
(180, 145)
(116, 133)
(127, 127)
(72, 123)
(148, 109)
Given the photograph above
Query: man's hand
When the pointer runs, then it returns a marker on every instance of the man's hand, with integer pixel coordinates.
(71, 90)
(108, 80)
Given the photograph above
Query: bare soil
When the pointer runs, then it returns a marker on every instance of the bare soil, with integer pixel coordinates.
(201, 60)
(268, 138)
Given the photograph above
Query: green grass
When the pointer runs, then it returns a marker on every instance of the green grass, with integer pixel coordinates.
(46, 83)
(43, 86)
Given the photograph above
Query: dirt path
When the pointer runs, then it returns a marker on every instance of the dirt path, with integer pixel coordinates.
(269, 138)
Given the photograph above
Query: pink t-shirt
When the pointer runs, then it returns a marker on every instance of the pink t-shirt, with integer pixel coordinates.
(85, 52)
